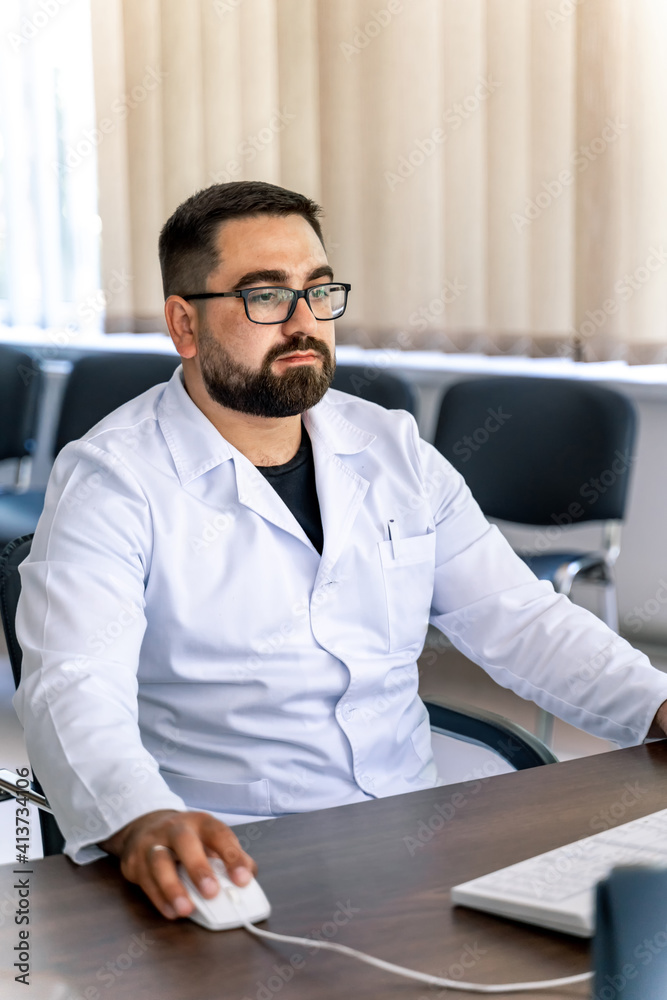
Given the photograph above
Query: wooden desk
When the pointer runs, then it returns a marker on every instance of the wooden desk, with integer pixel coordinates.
(373, 875)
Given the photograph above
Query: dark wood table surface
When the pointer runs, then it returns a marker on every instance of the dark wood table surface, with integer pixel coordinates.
(374, 875)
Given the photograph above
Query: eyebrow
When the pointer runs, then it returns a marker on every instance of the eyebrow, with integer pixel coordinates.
(280, 277)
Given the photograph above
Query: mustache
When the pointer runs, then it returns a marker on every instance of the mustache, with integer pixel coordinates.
(298, 344)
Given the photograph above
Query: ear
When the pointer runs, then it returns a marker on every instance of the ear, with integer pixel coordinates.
(183, 323)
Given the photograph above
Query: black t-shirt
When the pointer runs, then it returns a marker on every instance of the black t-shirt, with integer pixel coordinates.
(294, 482)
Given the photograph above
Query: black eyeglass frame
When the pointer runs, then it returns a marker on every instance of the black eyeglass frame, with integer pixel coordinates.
(303, 293)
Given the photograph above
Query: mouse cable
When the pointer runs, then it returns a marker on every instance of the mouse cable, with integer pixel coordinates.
(422, 977)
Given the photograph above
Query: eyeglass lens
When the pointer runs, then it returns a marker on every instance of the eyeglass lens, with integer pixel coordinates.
(272, 305)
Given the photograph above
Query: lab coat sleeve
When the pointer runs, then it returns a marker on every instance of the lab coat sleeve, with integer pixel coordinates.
(528, 638)
(80, 623)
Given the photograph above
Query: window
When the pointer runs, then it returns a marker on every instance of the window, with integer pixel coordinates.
(49, 226)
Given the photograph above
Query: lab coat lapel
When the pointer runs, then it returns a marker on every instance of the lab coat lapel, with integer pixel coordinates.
(201, 457)
(340, 489)
(256, 493)
(202, 460)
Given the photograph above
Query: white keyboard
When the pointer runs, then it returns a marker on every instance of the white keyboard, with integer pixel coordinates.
(557, 889)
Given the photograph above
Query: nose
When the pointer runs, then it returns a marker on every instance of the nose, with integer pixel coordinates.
(301, 321)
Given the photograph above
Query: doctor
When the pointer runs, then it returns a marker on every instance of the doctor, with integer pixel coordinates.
(231, 581)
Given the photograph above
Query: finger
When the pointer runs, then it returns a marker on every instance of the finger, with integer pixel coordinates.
(162, 876)
(189, 849)
(219, 838)
(158, 899)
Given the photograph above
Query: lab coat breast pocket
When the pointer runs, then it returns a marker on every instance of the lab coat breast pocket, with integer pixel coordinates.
(408, 568)
(243, 797)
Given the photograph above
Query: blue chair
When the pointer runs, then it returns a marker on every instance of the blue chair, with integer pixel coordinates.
(376, 385)
(551, 453)
(20, 381)
(97, 385)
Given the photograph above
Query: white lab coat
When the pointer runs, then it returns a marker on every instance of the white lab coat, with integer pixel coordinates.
(185, 645)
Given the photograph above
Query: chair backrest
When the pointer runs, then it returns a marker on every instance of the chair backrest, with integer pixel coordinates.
(540, 450)
(10, 589)
(385, 388)
(19, 389)
(101, 382)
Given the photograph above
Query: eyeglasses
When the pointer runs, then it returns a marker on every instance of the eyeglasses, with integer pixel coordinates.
(269, 305)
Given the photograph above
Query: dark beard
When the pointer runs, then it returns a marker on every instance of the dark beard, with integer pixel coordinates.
(262, 393)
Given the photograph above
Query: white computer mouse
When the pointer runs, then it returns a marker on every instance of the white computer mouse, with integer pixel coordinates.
(224, 911)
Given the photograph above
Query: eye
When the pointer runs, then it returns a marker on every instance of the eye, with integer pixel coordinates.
(320, 292)
(266, 296)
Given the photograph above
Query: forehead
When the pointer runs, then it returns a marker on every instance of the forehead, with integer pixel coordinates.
(262, 242)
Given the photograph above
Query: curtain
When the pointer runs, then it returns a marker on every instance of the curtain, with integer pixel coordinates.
(491, 171)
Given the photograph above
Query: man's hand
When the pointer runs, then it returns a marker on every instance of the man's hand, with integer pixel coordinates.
(192, 837)
(659, 725)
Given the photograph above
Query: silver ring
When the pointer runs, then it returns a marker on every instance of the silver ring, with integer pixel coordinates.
(160, 847)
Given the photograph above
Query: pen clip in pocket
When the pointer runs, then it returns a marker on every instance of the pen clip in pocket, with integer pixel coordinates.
(394, 536)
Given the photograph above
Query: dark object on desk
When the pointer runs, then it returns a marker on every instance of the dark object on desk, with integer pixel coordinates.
(512, 742)
(370, 382)
(98, 384)
(630, 945)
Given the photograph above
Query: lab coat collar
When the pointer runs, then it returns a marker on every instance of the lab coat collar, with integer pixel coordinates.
(338, 434)
(196, 446)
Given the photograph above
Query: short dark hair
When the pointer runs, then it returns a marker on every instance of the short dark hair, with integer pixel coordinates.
(187, 246)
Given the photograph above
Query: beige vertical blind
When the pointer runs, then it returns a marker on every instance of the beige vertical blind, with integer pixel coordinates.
(492, 171)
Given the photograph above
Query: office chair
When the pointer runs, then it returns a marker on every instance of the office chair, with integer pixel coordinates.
(551, 453)
(98, 384)
(376, 385)
(10, 588)
(20, 380)
(485, 729)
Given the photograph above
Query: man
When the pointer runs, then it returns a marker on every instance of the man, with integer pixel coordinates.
(232, 579)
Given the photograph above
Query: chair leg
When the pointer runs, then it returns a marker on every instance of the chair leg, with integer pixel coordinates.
(610, 605)
(545, 726)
